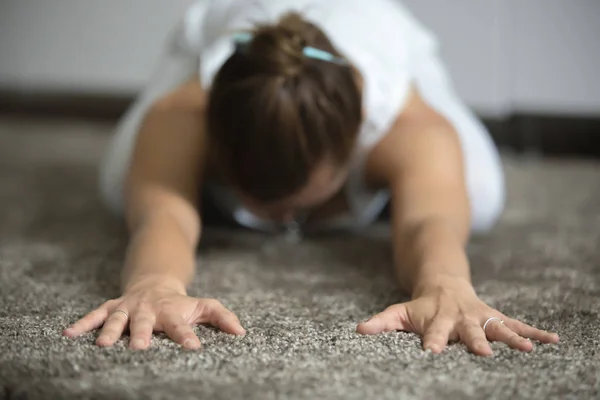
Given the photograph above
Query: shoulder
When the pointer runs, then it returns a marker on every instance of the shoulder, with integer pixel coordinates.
(419, 141)
(190, 96)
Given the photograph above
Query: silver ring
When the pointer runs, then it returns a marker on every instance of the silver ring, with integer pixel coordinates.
(120, 311)
(490, 320)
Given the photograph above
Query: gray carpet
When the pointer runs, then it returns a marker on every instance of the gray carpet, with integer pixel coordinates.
(60, 255)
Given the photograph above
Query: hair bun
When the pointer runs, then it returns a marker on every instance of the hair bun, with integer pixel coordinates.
(279, 47)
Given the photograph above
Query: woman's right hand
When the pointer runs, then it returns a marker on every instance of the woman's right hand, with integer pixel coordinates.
(149, 307)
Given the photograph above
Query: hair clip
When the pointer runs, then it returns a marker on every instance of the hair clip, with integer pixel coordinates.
(318, 54)
(241, 39)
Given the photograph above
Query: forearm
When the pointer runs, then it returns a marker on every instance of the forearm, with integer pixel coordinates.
(159, 251)
(429, 253)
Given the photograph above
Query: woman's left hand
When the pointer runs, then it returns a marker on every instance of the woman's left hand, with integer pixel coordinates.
(451, 312)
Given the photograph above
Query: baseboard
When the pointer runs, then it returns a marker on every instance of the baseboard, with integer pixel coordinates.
(48, 104)
(547, 135)
(544, 135)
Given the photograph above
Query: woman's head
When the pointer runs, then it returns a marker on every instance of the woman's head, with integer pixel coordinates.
(281, 122)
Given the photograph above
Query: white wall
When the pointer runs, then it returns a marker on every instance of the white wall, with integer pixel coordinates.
(97, 45)
(525, 55)
(529, 55)
(471, 45)
(555, 55)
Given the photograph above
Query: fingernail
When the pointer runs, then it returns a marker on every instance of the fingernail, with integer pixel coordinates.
(189, 344)
(433, 348)
(138, 343)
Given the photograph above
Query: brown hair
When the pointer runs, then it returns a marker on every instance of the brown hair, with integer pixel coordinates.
(274, 114)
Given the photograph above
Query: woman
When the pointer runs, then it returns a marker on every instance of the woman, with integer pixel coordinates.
(306, 115)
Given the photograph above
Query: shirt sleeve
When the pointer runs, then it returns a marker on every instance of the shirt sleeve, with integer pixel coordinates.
(381, 41)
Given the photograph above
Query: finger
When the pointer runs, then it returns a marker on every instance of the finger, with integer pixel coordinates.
(393, 318)
(220, 317)
(499, 332)
(474, 338)
(178, 330)
(530, 332)
(113, 328)
(91, 321)
(436, 336)
(140, 330)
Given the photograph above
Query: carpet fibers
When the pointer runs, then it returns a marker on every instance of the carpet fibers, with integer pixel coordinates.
(60, 256)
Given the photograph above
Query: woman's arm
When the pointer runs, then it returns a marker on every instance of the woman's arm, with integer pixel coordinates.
(422, 163)
(161, 208)
(161, 194)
